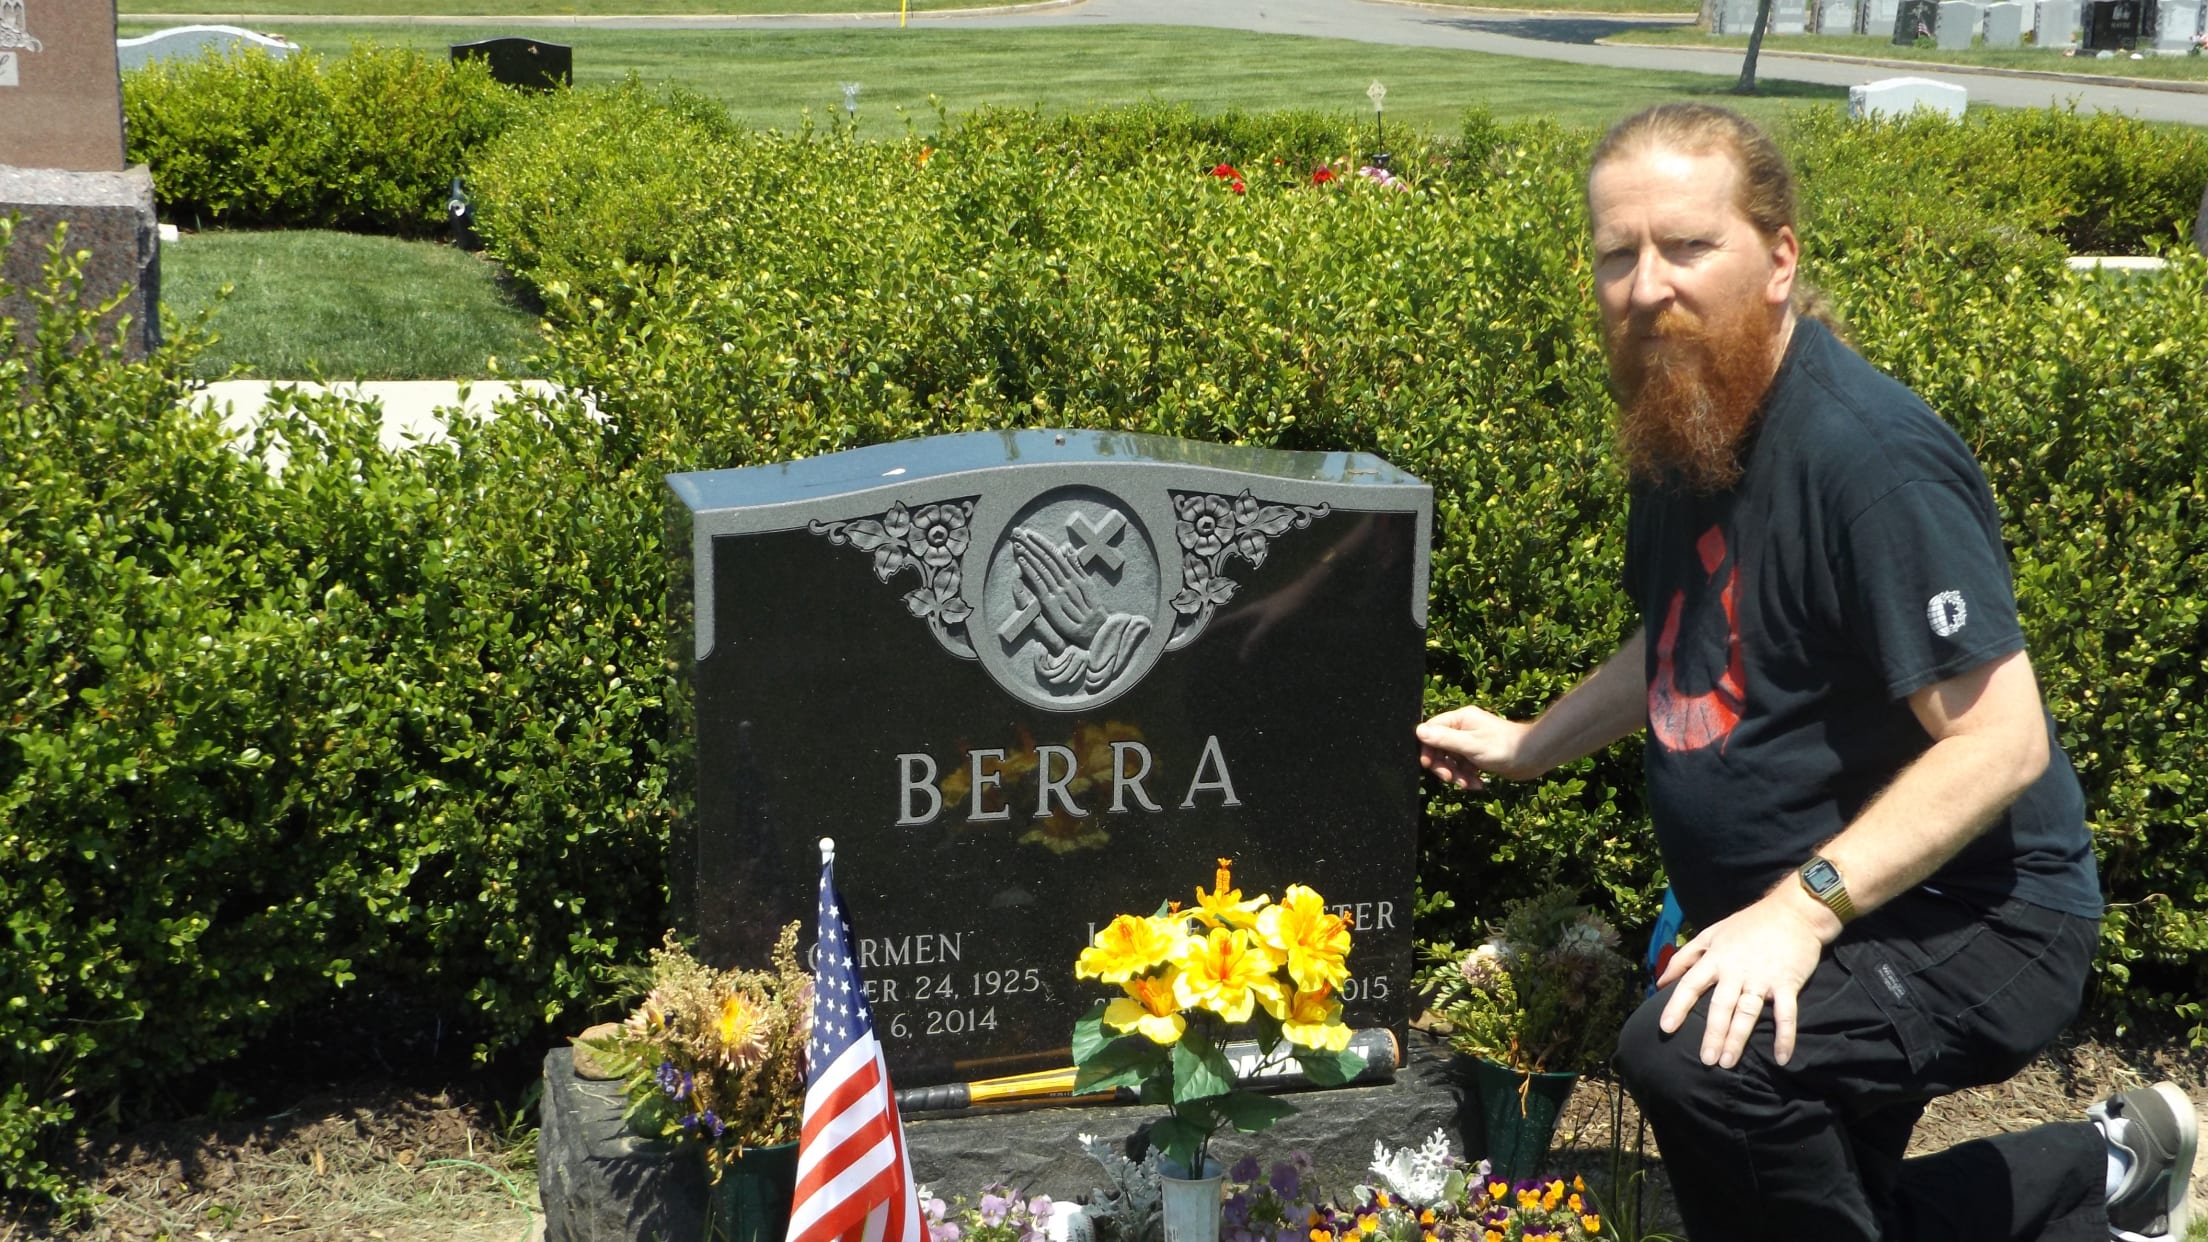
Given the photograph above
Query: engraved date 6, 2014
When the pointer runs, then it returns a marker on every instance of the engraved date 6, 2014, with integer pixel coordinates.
(958, 1020)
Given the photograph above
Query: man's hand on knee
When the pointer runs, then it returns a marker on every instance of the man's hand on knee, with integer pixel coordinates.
(1758, 955)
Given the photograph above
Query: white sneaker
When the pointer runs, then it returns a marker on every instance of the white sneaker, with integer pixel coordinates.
(2158, 1129)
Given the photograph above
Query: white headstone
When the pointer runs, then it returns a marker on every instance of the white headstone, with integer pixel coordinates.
(192, 42)
(1735, 17)
(1880, 16)
(1836, 17)
(2176, 25)
(1958, 24)
(2057, 27)
(1789, 17)
(1900, 96)
(2005, 24)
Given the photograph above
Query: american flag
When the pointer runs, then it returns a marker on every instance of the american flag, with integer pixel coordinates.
(854, 1180)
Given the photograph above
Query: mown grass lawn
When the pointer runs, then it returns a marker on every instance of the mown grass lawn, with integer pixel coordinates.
(307, 303)
(775, 78)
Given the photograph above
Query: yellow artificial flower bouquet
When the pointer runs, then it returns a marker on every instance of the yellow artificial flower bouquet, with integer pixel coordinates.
(1194, 980)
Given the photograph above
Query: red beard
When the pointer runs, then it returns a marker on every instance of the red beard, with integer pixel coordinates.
(1687, 401)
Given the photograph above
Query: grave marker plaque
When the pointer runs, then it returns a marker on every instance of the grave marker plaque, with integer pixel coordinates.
(1030, 681)
(531, 64)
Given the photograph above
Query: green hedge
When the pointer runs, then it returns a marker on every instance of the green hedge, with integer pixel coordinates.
(377, 731)
(368, 142)
(390, 726)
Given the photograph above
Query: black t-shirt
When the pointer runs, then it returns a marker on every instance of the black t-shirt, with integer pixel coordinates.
(1788, 620)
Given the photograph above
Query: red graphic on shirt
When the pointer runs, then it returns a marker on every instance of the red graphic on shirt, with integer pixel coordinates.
(1683, 721)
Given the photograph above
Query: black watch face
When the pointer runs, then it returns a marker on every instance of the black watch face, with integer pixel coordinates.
(1821, 876)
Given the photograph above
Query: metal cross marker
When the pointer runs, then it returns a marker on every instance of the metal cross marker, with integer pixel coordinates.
(1091, 541)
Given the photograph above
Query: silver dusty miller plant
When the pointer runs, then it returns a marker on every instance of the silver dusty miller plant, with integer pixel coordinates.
(1425, 1175)
(1131, 1211)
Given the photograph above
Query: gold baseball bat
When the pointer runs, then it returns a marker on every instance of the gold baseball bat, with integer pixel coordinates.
(1383, 1056)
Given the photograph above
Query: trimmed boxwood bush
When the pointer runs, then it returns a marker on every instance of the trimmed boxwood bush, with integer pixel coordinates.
(369, 142)
(391, 727)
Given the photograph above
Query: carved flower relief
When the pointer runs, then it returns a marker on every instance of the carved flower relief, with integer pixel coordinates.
(1201, 589)
(928, 540)
(1206, 525)
(939, 535)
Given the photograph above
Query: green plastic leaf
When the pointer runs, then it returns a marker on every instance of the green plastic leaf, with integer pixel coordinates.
(1330, 1069)
(1250, 1112)
(1200, 1070)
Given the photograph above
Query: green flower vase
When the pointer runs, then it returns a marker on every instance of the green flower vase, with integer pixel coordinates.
(1511, 1116)
(751, 1202)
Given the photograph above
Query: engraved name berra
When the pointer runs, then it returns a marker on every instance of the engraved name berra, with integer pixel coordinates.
(920, 800)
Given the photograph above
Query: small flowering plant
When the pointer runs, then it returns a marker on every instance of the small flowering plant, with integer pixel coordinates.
(1000, 1216)
(1229, 969)
(715, 1059)
(1546, 994)
(1278, 1204)
(1535, 1210)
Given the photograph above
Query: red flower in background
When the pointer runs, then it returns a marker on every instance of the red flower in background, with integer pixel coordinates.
(1227, 172)
(1320, 176)
(1238, 187)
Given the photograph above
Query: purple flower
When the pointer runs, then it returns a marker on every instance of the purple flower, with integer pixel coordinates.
(713, 1123)
(1244, 1170)
(1287, 1180)
(994, 1207)
(676, 1083)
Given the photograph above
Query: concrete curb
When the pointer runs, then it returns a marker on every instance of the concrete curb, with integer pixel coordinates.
(413, 410)
(1435, 6)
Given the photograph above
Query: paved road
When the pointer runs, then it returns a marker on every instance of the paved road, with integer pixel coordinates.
(1541, 37)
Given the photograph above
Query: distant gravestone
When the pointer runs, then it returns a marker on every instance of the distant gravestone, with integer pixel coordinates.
(1789, 17)
(2113, 25)
(2174, 25)
(1734, 17)
(1836, 17)
(1915, 19)
(2057, 24)
(532, 64)
(1030, 681)
(193, 42)
(61, 162)
(2005, 25)
(1958, 25)
(1898, 97)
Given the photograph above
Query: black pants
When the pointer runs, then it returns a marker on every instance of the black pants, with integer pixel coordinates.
(1924, 996)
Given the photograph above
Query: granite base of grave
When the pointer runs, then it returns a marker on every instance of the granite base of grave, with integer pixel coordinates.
(599, 1183)
(111, 215)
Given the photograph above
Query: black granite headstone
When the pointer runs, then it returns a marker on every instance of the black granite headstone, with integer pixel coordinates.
(1032, 680)
(2114, 25)
(1916, 19)
(530, 63)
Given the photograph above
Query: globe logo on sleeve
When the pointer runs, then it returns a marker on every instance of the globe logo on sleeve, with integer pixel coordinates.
(1947, 613)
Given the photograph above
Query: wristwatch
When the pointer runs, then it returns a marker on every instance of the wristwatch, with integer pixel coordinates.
(1823, 882)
